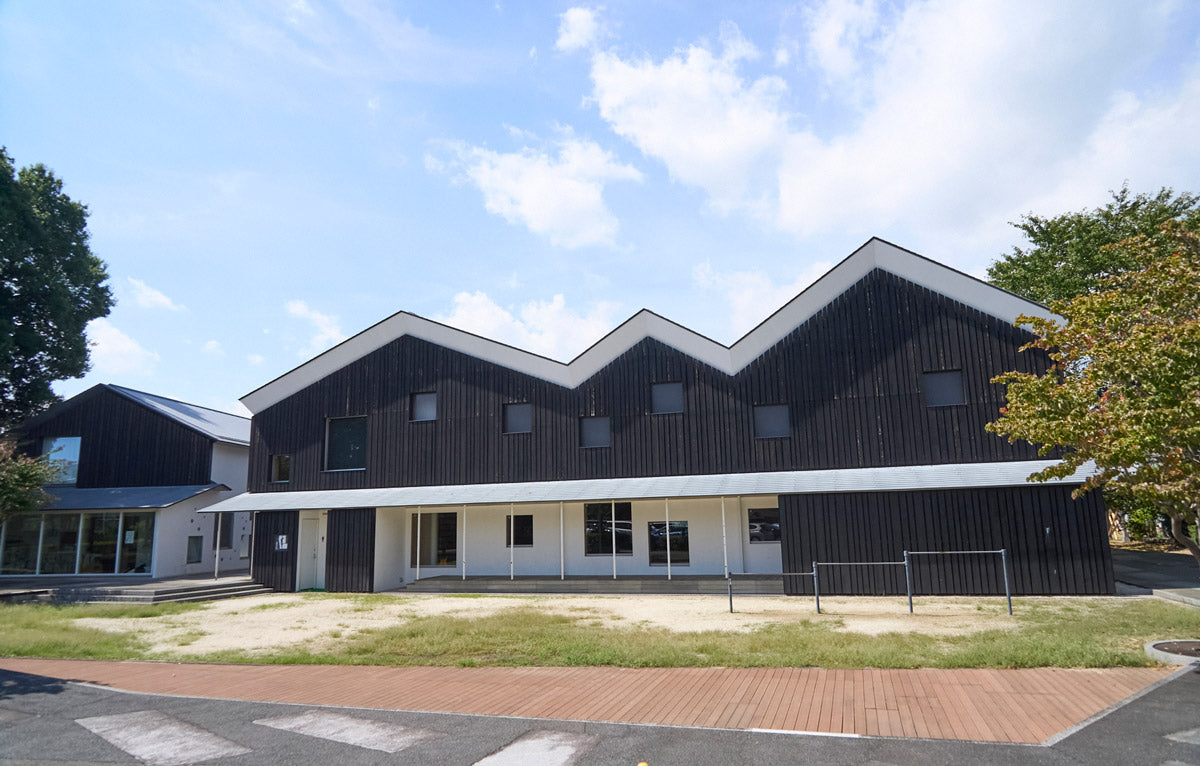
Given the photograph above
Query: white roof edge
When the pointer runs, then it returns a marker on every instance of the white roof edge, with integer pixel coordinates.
(876, 253)
(884, 479)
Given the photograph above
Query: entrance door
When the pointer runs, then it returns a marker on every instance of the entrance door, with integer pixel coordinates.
(307, 554)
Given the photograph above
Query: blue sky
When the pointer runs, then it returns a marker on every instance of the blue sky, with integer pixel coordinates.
(267, 178)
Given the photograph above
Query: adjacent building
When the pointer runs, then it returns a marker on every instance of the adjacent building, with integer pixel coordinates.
(848, 426)
(135, 469)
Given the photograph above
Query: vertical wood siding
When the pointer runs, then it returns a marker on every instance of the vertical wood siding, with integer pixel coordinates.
(275, 569)
(350, 550)
(850, 375)
(123, 444)
(1055, 545)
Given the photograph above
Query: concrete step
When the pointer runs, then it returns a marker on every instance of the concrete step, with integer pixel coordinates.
(631, 585)
(152, 596)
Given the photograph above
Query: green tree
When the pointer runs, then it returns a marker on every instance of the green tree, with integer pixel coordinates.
(1123, 389)
(1069, 255)
(21, 480)
(51, 286)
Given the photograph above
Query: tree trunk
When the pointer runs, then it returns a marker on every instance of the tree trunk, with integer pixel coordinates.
(1179, 532)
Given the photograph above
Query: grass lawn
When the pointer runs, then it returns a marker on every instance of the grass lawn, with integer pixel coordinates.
(1065, 632)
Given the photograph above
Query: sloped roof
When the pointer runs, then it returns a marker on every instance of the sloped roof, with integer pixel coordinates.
(875, 254)
(111, 498)
(221, 426)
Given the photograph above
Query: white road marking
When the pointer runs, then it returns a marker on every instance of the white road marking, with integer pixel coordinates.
(545, 748)
(1189, 737)
(160, 740)
(363, 732)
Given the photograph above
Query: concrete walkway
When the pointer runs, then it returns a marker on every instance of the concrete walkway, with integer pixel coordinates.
(1024, 706)
(1173, 576)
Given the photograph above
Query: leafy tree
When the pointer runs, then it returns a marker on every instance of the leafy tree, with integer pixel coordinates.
(21, 480)
(1068, 254)
(51, 286)
(1123, 389)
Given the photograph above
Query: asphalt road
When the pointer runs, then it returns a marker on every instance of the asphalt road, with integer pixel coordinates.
(49, 721)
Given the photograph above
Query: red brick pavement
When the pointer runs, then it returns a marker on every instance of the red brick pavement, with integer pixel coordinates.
(984, 705)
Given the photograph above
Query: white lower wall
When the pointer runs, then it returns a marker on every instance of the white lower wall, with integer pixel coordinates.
(389, 543)
(175, 523)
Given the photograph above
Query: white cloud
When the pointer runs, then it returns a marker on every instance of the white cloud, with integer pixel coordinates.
(214, 347)
(327, 331)
(578, 28)
(556, 195)
(255, 359)
(147, 297)
(836, 31)
(115, 353)
(751, 295)
(548, 328)
(696, 114)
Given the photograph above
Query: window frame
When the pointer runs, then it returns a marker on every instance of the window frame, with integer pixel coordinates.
(412, 406)
(47, 452)
(273, 467)
(513, 532)
(608, 431)
(787, 419)
(673, 384)
(199, 547)
(366, 440)
(652, 551)
(504, 418)
(613, 508)
(962, 388)
(226, 526)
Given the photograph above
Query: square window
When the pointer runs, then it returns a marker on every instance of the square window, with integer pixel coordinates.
(423, 407)
(595, 432)
(281, 468)
(771, 421)
(434, 539)
(346, 444)
(943, 389)
(518, 418)
(604, 524)
(675, 538)
(764, 525)
(666, 398)
(195, 549)
(518, 528)
(62, 452)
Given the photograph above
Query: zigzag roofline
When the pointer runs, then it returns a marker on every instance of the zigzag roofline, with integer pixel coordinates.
(875, 254)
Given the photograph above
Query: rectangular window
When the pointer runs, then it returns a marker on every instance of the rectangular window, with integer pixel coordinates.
(60, 539)
(423, 407)
(595, 432)
(281, 468)
(195, 551)
(438, 536)
(520, 529)
(943, 389)
(62, 452)
(666, 398)
(676, 537)
(771, 421)
(224, 536)
(99, 554)
(137, 544)
(518, 418)
(346, 444)
(20, 544)
(764, 525)
(604, 523)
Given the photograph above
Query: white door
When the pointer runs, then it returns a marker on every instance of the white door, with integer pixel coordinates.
(307, 554)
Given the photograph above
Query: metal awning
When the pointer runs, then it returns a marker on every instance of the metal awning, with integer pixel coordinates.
(111, 498)
(892, 478)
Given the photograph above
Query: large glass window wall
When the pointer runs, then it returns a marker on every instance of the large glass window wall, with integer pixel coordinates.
(72, 543)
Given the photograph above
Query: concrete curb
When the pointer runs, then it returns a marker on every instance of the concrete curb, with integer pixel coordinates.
(1168, 658)
(1173, 594)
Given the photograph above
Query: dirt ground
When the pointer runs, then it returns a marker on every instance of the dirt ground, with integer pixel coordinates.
(269, 622)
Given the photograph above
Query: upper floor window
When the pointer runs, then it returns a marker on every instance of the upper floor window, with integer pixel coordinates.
(281, 468)
(63, 453)
(666, 398)
(346, 444)
(595, 432)
(518, 418)
(423, 407)
(771, 421)
(943, 389)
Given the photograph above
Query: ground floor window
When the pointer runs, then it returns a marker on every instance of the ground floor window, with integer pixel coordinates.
(195, 551)
(224, 538)
(676, 536)
(74, 543)
(518, 530)
(764, 525)
(605, 524)
(434, 539)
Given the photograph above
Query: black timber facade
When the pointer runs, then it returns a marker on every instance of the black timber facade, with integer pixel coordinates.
(851, 376)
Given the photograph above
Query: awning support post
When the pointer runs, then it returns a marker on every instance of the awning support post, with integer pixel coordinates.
(512, 539)
(418, 576)
(120, 533)
(217, 549)
(562, 551)
(612, 523)
(667, 515)
(464, 550)
(724, 544)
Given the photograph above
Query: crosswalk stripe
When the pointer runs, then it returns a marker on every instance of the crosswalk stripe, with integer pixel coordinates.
(545, 748)
(363, 732)
(1189, 737)
(158, 739)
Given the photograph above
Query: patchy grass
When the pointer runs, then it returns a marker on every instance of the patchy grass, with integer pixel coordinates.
(46, 630)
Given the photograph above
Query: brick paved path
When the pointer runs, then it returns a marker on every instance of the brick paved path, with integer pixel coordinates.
(983, 705)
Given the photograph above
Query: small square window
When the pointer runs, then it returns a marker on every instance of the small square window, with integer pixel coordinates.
(195, 549)
(764, 525)
(595, 432)
(943, 389)
(346, 444)
(771, 421)
(281, 468)
(518, 418)
(424, 407)
(666, 398)
(519, 529)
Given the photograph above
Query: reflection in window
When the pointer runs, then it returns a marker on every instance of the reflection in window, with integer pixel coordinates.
(764, 525)
(195, 549)
(677, 538)
(281, 468)
(59, 542)
(62, 452)
(99, 555)
(602, 522)
(137, 544)
(20, 544)
(438, 537)
(346, 444)
(520, 529)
